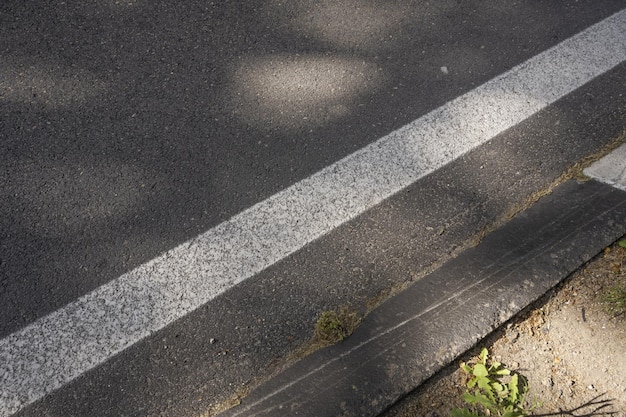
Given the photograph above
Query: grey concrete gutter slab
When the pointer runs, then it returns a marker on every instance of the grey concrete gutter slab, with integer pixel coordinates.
(611, 169)
(417, 332)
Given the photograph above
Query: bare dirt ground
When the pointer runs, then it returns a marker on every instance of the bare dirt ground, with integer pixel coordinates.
(570, 345)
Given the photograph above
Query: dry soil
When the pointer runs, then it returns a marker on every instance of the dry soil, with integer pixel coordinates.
(569, 345)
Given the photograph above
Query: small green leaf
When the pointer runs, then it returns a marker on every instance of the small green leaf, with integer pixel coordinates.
(622, 243)
(479, 398)
(484, 354)
(485, 386)
(513, 389)
(466, 368)
(462, 412)
(480, 370)
(497, 387)
(484, 383)
(513, 413)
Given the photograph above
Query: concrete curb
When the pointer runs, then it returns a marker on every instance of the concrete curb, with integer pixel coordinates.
(416, 333)
(611, 169)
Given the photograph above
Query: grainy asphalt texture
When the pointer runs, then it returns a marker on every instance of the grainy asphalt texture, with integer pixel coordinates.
(129, 127)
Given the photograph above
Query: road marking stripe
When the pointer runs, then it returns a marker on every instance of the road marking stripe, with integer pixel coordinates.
(61, 346)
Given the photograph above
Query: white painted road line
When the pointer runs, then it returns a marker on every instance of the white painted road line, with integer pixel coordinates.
(59, 347)
(611, 169)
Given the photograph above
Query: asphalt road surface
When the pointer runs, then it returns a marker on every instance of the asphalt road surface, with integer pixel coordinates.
(286, 157)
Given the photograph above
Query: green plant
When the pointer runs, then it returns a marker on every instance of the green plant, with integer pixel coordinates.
(488, 394)
(615, 300)
(615, 297)
(334, 326)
